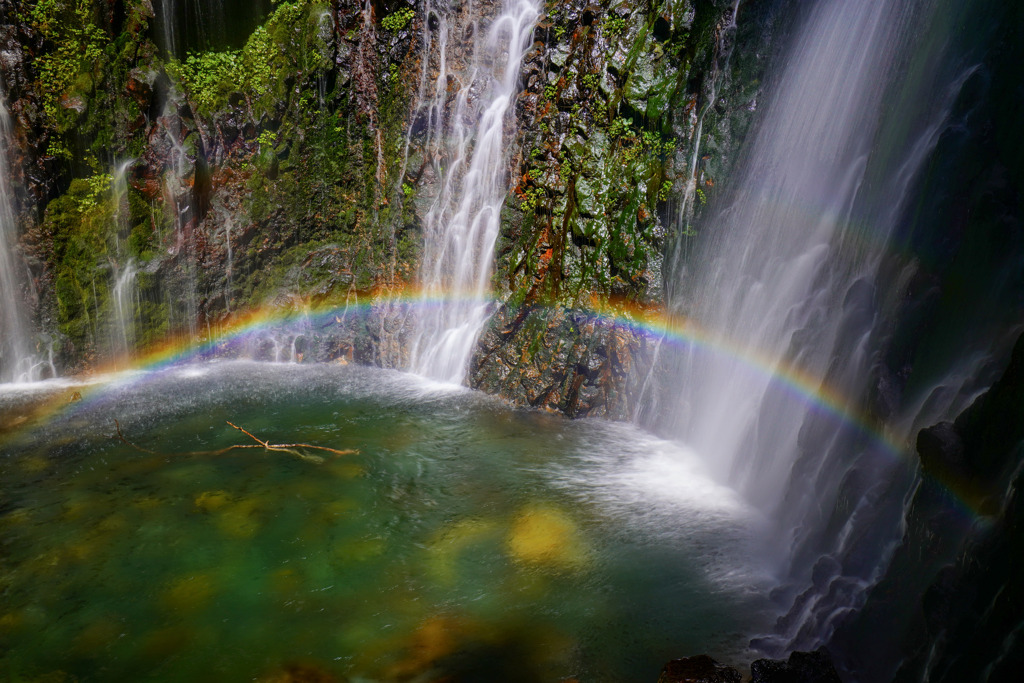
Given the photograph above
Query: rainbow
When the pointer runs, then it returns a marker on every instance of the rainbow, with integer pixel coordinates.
(231, 336)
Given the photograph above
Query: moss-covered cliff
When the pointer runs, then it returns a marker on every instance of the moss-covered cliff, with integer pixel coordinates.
(285, 169)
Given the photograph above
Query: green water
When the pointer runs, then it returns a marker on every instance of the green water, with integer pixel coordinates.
(465, 541)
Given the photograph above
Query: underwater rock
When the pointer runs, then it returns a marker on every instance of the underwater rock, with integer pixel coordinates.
(299, 672)
(209, 501)
(699, 669)
(546, 537)
(189, 593)
(801, 667)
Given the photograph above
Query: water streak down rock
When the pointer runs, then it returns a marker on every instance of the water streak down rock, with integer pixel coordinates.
(468, 154)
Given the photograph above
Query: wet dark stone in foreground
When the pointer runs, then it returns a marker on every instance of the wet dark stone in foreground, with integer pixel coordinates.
(801, 667)
(699, 669)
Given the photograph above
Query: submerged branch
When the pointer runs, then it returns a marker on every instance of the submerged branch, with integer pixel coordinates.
(120, 435)
(290, 448)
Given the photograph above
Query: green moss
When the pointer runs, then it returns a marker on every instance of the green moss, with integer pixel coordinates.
(82, 228)
(66, 73)
(396, 21)
(288, 43)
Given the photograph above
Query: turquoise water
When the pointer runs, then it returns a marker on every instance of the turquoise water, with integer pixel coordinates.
(466, 540)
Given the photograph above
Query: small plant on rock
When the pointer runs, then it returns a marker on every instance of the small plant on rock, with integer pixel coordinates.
(398, 20)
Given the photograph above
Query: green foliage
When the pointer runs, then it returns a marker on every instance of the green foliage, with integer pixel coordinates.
(82, 228)
(591, 81)
(96, 185)
(620, 126)
(665, 190)
(208, 76)
(559, 31)
(267, 139)
(80, 53)
(398, 20)
(614, 26)
(288, 43)
(701, 197)
(564, 172)
(531, 198)
(407, 190)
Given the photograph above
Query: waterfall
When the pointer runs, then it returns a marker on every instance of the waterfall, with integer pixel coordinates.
(790, 289)
(125, 301)
(466, 151)
(179, 198)
(17, 362)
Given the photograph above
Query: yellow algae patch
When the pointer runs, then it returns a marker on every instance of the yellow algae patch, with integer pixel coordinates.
(166, 642)
(527, 585)
(550, 648)
(146, 503)
(53, 677)
(449, 544)
(299, 672)
(400, 439)
(96, 636)
(339, 508)
(286, 581)
(544, 536)
(346, 470)
(80, 551)
(74, 509)
(359, 549)
(189, 593)
(434, 638)
(34, 464)
(11, 622)
(240, 520)
(44, 563)
(210, 501)
(112, 524)
(16, 517)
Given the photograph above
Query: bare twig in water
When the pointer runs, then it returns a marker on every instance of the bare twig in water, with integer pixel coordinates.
(120, 435)
(290, 448)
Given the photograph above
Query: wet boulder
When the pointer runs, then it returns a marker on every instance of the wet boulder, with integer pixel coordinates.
(801, 667)
(699, 669)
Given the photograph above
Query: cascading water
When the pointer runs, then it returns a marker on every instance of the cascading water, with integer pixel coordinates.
(788, 285)
(126, 301)
(17, 362)
(183, 26)
(124, 290)
(179, 199)
(466, 142)
(13, 344)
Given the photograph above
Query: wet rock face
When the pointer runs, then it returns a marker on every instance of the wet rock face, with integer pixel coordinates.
(968, 616)
(801, 667)
(294, 167)
(563, 360)
(699, 669)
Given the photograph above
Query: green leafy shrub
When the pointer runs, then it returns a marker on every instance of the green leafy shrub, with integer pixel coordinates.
(398, 20)
(80, 52)
(620, 126)
(614, 26)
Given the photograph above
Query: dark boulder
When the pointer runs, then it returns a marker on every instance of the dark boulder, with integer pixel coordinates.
(699, 669)
(941, 449)
(801, 667)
